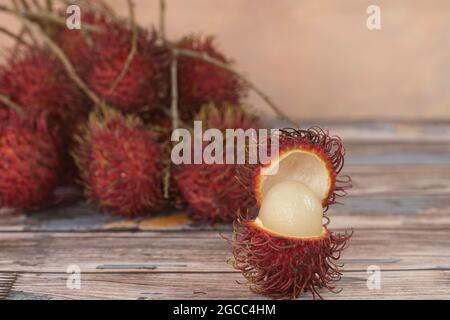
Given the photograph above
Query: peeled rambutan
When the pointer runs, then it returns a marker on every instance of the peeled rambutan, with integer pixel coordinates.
(311, 156)
(280, 242)
(212, 190)
(200, 83)
(119, 163)
(30, 162)
(143, 85)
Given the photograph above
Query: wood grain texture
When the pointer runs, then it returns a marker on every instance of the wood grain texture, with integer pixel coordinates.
(149, 286)
(203, 251)
(399, 209)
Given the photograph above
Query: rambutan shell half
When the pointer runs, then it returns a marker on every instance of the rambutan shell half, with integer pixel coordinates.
(286, 267)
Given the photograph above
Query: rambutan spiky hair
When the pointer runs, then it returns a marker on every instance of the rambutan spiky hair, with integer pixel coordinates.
(144, 83)
(120, 164)
(30, 162)
(201, 83)
(285, 268)
(37, 81)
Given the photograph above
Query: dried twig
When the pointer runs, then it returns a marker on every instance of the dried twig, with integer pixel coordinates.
(174, 92)
(37, 5)
(162, 19)
(25, 30)
(206, 58)
(11, 104)
(133, 49)
(25, 4)
(49, 5)
(18, 38)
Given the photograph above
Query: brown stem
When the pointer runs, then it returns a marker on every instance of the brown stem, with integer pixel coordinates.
(162, 19)
(174, 91)
(206, 58)
(49, 5)
(11, 104)
(18, 38)
(25, 4)
(37, 5)
(133, 49)
(19, 41)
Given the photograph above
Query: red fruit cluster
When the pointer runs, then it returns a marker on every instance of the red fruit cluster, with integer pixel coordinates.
(29, 163)
(200, 82)
(120, 164)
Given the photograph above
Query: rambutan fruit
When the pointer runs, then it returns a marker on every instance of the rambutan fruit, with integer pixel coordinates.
(38, 82)
(120, 164)
(144, 84)
(212, 191)
(286, 249)
(201, 83)
(30, 162)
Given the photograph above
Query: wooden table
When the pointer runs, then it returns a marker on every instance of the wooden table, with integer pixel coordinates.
(399, 208)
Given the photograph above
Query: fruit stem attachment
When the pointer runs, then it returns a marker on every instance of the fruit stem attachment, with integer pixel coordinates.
(162, 19)
(133, 49)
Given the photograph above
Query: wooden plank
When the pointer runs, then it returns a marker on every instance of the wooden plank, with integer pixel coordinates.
(6, 283)
(359, 211)
(426, 284)
(399, 180)
(202, 251)
(399, 154)
(372, 131)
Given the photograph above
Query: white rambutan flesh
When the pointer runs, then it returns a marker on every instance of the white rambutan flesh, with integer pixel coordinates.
(291, 209)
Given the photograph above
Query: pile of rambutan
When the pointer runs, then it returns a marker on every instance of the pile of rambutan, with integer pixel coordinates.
(117, 146)
(96, 109)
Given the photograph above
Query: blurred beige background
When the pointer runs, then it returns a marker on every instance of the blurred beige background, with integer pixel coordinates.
(317, 59)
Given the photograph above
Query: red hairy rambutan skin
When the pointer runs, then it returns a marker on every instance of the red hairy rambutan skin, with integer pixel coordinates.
(143, 85)
(120, 165)
(285, 268)
(38, 82)
(212, 191)
(30, 163)
(314, 140)
(200, 83)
